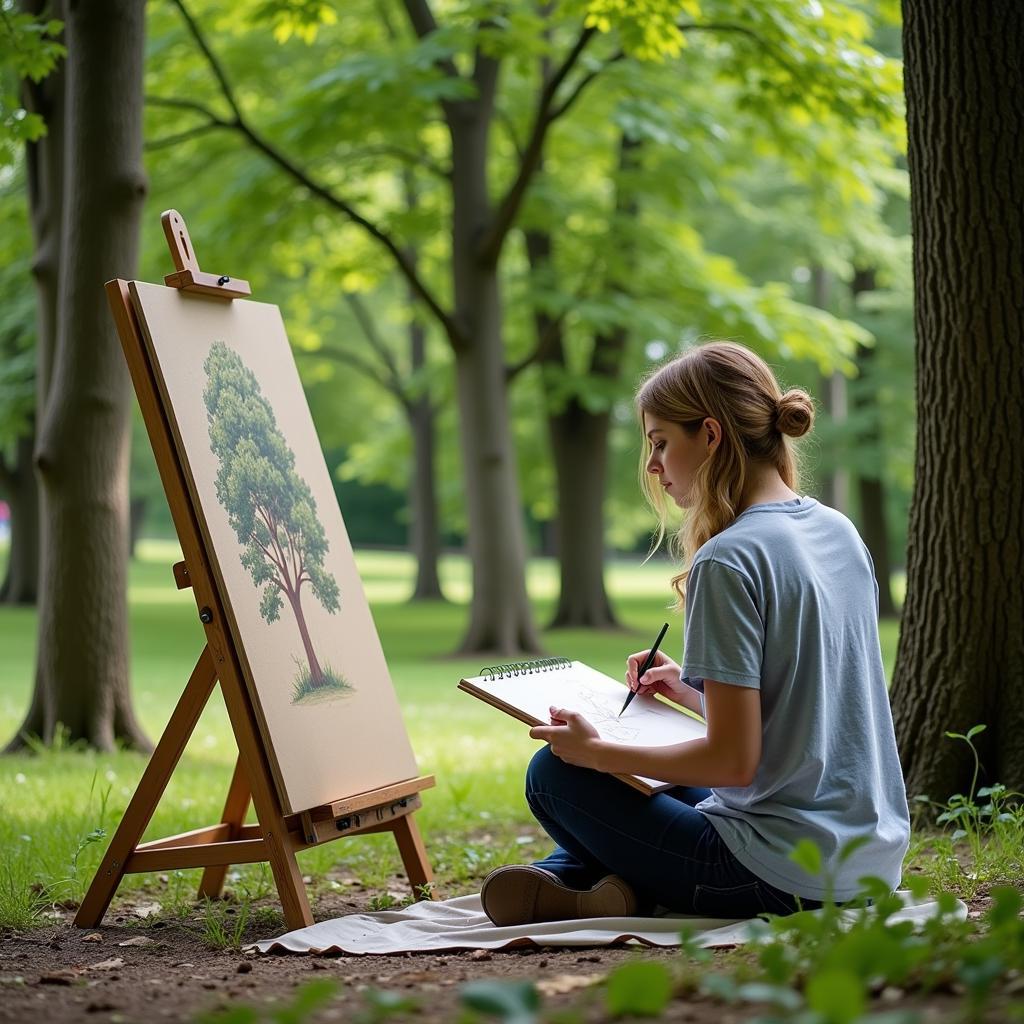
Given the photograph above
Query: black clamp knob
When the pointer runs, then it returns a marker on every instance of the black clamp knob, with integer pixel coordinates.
(206, 615)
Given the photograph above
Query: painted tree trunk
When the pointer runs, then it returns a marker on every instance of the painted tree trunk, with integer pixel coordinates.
(960, 660)
(316, 673)
(21, 582)
(501, 620)
(82, 449)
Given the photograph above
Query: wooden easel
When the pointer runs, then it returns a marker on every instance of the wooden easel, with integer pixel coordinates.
(278, 837)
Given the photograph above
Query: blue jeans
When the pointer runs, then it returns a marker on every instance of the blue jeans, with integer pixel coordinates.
(667, 850)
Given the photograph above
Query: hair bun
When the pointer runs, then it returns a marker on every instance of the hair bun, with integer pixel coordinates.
(795, 413)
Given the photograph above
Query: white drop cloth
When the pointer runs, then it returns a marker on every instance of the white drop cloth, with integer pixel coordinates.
(460, 923)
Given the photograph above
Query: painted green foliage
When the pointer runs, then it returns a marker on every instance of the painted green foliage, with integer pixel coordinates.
(270, 507)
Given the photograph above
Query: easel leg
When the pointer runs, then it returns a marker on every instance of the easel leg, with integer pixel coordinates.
(235, 809)
(151, 786)
(414, 854)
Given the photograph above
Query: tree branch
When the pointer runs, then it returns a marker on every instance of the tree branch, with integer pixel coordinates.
(369, 328)
(421, 17)
(173, 140)
(316, 188)
(355, 362)
(490, 246)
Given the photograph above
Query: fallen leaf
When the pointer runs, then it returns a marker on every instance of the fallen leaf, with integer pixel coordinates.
(107, 965)
(481, 954)
(145, 910)
(93, 937)
(563, 983)
(138, 940)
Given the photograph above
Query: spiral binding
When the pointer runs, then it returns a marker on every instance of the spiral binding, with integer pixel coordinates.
(523, 668)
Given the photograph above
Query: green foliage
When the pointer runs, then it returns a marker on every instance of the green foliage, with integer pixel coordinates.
(639, 989)
(514, 1002)
(29, 48)
(224, 924)
(987, 826)
(304, 1004)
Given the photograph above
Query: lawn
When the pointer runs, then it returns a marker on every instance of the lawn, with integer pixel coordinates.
(475, 818)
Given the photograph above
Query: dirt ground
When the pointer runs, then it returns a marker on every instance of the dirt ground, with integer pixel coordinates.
(131, 970)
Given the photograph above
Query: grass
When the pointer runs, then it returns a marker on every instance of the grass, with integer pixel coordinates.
(476, 817)
(305, 691)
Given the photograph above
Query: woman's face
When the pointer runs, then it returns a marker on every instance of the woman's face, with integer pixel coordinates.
(676, 455)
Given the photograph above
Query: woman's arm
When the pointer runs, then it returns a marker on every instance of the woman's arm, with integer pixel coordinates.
(727, 756)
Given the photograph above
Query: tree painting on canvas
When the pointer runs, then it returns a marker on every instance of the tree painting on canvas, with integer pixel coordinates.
(271, 509)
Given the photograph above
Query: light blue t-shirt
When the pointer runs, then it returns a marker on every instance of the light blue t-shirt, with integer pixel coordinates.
(785, 600)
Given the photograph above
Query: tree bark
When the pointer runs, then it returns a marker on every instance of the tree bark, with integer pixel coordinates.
(579, 450)
(82, 448)
(960, 660)
(501, 620)
(425, 529)
(835, 488)
(871, 486)
(579, 439)
(20, 586)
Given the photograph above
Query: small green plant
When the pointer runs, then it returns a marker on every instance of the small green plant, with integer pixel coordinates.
(514, 1002)
(223, 924)
(307, 1000)
(385, 901)
(984, 828)
(20, 904)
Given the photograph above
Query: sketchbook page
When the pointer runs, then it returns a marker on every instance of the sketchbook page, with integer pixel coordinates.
(278, 547)
(599, 698)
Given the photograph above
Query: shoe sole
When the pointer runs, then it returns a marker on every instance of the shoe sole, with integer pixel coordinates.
(522, 894)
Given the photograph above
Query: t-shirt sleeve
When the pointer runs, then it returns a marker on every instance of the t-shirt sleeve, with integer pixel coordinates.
(724, 629)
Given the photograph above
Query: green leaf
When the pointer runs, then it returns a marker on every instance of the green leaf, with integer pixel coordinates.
(516, 1002)
(847, 850)
(974, 730)
(639, 988)
(807, 856)
(837, 994)
(1006, 906)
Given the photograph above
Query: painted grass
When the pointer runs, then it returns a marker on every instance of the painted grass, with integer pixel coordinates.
(54, 800)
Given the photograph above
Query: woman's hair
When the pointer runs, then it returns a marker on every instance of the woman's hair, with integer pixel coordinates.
(731, 384)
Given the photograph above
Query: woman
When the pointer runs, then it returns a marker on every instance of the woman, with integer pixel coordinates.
(782, 658)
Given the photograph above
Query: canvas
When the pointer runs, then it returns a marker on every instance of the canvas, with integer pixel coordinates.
(277, 545)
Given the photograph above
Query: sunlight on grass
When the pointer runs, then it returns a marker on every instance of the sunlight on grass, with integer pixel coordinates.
(476, 816)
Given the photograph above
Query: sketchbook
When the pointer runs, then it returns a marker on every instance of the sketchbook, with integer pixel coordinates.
(527, 689)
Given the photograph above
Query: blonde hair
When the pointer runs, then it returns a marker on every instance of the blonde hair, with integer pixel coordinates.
(733, 385)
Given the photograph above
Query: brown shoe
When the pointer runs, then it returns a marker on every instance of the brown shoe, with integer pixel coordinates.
(524, 894)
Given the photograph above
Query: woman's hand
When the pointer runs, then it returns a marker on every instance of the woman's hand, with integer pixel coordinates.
(572, 738)
(662, 677)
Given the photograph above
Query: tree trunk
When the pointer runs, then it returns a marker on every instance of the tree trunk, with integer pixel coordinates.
(961, 652)
(871, 487)
(579, 444)
(579, 441)
(579, 450)
(835, 488)
(425, 526)
(21, 583)
(426, 532)
(501, 620)
(82, 453)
